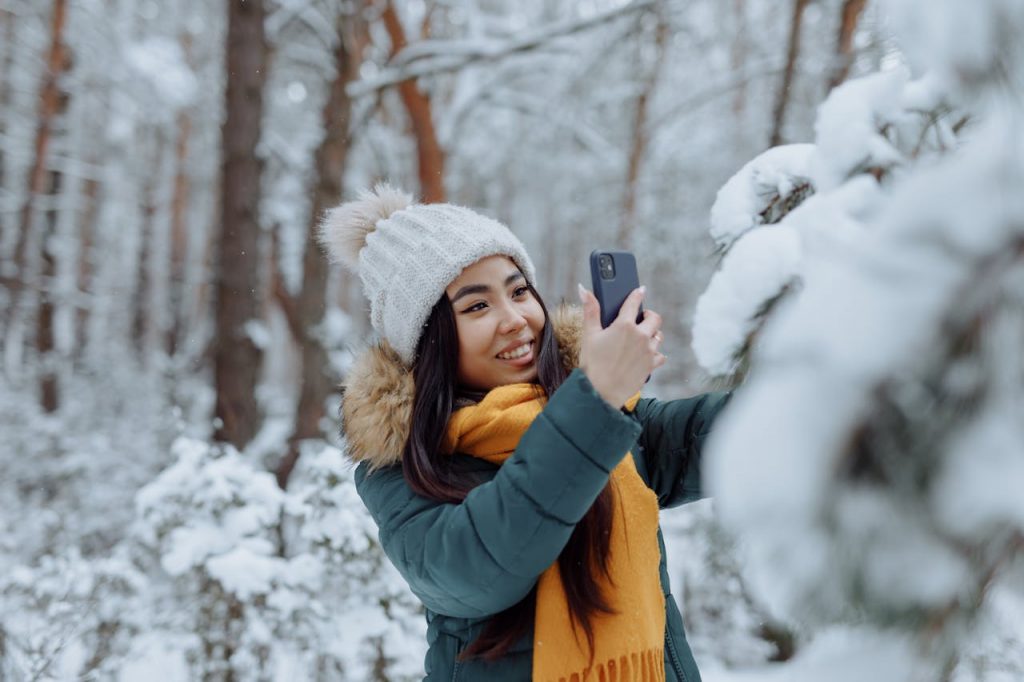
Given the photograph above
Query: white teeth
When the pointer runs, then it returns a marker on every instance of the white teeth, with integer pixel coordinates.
(517, 353)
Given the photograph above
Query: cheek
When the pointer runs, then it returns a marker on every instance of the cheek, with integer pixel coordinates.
(474, 338)
(536, 317)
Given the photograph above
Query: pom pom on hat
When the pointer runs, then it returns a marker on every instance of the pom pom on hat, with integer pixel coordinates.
(344, 228)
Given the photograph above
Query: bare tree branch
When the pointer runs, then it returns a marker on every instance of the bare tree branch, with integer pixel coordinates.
(439, 56)
(851, 13)
(641, 136)
(792, 51)
(430, 156)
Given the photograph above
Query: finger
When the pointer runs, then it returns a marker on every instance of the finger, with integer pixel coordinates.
(660, 360)
(591, 311)
(631, 306)
(656, 340)
(651, 323)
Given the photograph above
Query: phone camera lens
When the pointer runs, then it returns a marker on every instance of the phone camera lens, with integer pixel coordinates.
(607, 266)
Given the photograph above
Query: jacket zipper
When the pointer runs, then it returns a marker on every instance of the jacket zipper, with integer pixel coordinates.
(458, 663)
(674, 656)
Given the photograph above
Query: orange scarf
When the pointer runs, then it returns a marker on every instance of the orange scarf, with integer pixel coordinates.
(629, 643)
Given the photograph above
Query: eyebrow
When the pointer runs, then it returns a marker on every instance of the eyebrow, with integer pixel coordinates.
(483, 288)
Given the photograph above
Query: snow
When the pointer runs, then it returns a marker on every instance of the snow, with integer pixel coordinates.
(870, 462)
(813, 354)
(258, 333)
(867, 127)
(884, 236)
(841, 655)
(996, 653)
(978, 491)
(762, 262)
(191, 547)
(962, 42)
(848, 135)
(213, 516)
(245, 571)
(162, 63)
(908, 567)
(925, 94)
(153, 651)
(757, 269)
(772, 175)
(204, 509)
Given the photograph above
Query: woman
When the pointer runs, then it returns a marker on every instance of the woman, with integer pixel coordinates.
(513, 471)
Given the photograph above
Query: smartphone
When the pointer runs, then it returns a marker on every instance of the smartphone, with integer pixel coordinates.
(613, 276)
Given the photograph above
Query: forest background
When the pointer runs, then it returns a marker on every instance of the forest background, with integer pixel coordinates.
(172, 494)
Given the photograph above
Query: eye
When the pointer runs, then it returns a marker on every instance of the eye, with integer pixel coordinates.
(475, 307)
(520, 291)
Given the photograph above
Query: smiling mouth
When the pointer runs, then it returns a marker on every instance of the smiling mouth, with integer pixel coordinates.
(518, 353)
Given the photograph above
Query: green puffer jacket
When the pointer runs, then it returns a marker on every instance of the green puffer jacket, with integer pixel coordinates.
(469, 561)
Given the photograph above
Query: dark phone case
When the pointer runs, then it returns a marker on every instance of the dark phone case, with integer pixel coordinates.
(613, 292)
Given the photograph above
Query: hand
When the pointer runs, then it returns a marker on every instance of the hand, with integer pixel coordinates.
(618, 359)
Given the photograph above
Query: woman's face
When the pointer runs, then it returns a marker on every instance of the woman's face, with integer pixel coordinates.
(499, 323)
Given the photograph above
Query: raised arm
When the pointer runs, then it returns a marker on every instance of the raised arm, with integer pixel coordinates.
(479, 557)
(673, 438)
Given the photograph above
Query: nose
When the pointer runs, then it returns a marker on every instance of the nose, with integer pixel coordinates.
(512, 322)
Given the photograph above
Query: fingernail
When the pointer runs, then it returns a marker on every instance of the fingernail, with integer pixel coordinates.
(579, 289)
(643, 289)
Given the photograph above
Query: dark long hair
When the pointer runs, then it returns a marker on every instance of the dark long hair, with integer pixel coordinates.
(429, 474)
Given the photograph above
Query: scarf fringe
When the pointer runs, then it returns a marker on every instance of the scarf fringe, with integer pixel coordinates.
(647, 666)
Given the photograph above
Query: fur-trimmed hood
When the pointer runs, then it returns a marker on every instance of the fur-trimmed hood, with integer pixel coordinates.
(376, 408)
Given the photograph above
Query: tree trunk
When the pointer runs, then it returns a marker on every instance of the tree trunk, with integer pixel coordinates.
(430, 156)
(851, 13)
(6, 68)
(51, 103)
(142, 294)
(738, 56)
(179, 233)
(638, 147)
(86, 260)
(236, 358)
(45, 347)
(307, 311)
(179, 227)
(792, 51)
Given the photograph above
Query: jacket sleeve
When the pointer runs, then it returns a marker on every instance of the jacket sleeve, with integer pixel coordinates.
(483, 555)
(673, 438)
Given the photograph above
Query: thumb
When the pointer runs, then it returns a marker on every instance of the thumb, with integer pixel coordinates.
(591, 311)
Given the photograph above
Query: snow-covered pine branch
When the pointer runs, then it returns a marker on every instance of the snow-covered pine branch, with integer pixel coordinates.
(872, 462)
(794, 201)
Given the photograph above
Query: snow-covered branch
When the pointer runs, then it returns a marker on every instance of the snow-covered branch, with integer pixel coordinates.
(431, 57)
(871, 462)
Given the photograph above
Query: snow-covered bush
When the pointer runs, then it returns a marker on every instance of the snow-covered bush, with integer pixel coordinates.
(213, 521)
(377, 628)
(873, 460)
(275, 583)
(66, 617)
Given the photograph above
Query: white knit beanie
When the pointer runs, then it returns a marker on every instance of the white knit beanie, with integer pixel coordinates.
(407, 254)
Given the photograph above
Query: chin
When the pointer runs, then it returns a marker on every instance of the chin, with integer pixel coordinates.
(528, 375)
(501, 376)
